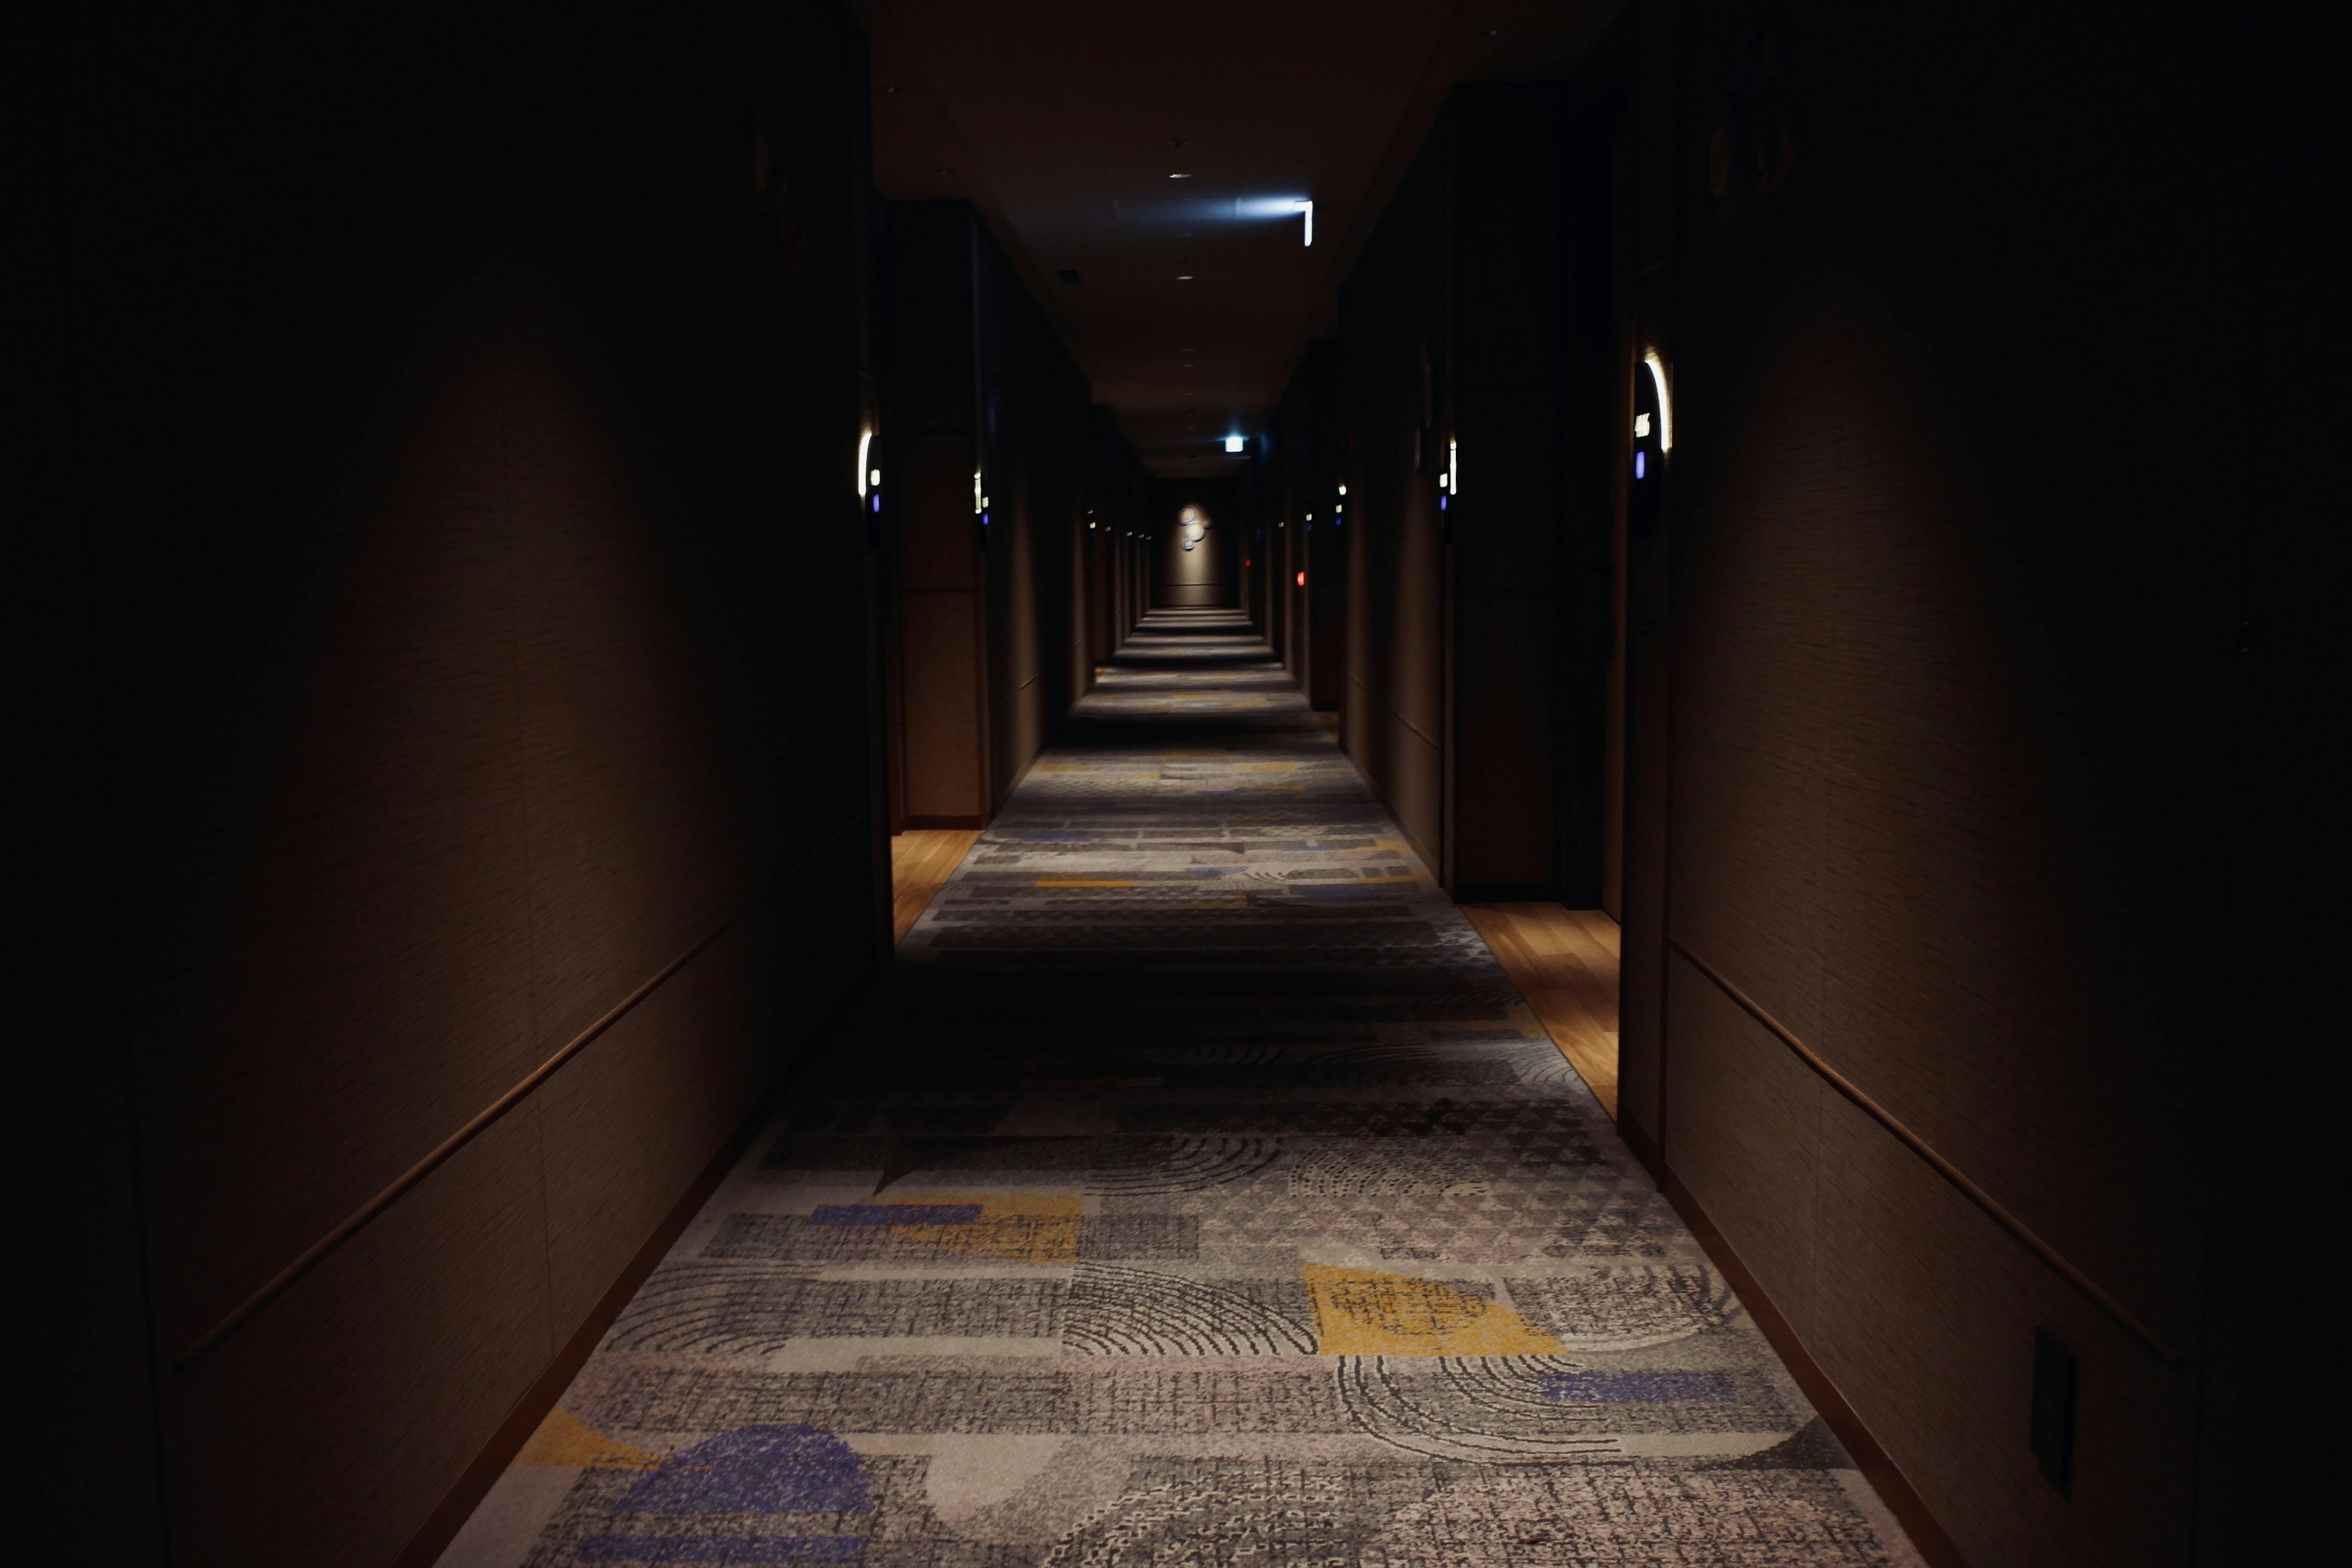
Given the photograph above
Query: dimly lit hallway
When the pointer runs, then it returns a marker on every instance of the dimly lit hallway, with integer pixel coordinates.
(1198, 1186)
(541, 536)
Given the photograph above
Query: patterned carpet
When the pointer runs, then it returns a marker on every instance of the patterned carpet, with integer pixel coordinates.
(1199, 1191)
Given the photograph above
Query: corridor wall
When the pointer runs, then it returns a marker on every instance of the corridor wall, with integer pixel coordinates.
(1478, 629)
(454, 600)
(1937, 702)
(984, 403)
(1303, 472)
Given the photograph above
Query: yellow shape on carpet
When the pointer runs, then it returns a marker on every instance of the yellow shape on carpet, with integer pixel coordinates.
(565, 1439)
(1023, 1228)
(1362, 1312)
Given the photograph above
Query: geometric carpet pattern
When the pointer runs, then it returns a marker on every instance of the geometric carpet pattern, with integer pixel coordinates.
(1197, 1189)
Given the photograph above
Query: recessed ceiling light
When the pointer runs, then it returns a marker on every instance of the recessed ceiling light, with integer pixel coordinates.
(1179, 176)
(1183, 278)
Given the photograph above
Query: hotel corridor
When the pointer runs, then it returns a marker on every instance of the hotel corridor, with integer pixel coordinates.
(1197, 1188)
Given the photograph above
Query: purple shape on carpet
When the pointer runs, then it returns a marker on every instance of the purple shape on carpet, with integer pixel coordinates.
(1640, 1387)
(895, 1214)
(788, 1469)
(723, 1548)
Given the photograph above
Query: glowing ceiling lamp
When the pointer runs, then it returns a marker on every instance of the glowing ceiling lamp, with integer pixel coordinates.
(1236, 443)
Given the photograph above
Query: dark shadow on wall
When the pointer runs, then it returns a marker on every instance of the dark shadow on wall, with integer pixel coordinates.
(466, 611)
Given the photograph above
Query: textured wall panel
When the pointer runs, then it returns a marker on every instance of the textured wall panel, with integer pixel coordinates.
(1925, 1315)
(630, 1122)
(1743, 1121)
(373, 1383)
(437, 521)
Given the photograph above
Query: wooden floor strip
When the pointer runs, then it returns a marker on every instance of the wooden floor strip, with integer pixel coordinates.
(1564, 962)
(922, 860)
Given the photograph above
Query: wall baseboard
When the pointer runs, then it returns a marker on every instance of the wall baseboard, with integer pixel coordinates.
(441, 1527)
(1893, 1488)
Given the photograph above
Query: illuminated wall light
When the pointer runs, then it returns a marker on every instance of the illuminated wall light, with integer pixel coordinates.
(1666, 408)
(865, 451)
(1307, 211)
(1234, 442)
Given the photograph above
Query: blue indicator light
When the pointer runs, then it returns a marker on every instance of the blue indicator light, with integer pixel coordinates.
(1639, 459)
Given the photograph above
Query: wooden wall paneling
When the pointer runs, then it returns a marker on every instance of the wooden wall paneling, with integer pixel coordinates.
(1924, 1316)
(1394, 321)
(1745, 1138)
(627, 1124)
(436, 708)
(375, 1379)
(331, 944)
(1329, 575)
(929, 467)
(1644, 288)
(1927, 692)
(1753, 721)
(1501, 399)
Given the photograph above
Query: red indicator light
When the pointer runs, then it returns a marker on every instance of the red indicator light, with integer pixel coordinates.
(1302, 579)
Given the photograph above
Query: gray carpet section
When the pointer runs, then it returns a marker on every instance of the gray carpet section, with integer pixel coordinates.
(1198, 1190)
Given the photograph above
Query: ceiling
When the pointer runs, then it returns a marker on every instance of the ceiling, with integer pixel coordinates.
(1066, 123)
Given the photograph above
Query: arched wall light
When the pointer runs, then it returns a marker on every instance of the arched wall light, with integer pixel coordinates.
(1666, 408)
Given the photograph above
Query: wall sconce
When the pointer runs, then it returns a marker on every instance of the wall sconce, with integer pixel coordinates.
(1665, 406)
